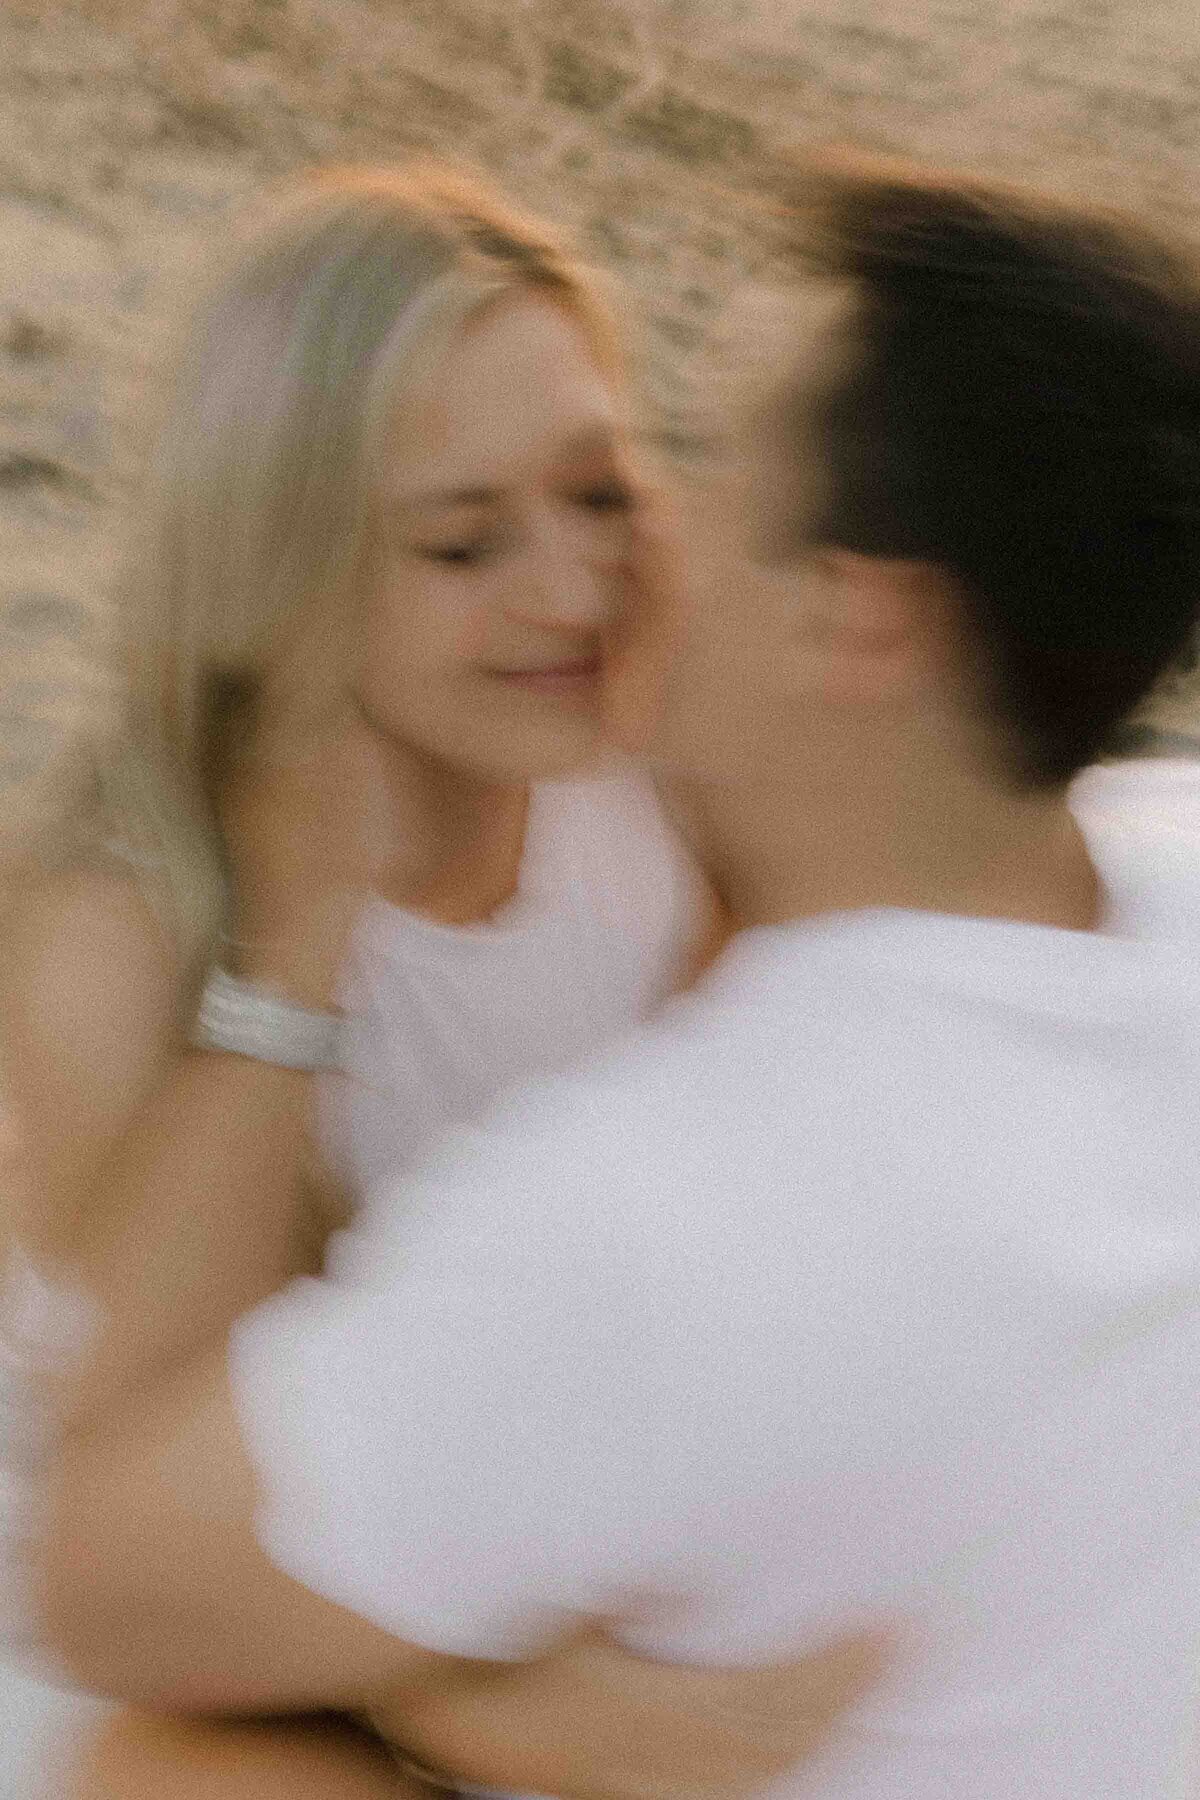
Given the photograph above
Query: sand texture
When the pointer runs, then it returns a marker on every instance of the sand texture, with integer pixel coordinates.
(125, 125)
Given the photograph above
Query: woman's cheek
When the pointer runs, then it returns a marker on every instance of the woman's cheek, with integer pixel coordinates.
(472, 629)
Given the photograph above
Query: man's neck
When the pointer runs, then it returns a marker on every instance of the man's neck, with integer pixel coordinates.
(962, 850)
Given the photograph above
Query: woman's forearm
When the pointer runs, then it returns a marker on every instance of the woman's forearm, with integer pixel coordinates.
(208, 1210)
(204, 1217)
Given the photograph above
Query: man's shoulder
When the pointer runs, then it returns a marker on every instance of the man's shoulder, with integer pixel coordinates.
(722, 1187)
(1142, 821)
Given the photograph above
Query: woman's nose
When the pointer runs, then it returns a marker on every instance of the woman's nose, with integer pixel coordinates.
(559, 587)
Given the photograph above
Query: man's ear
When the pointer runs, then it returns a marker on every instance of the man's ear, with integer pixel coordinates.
(871, 628)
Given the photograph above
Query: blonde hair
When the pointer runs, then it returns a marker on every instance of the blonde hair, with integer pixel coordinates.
(340, 291)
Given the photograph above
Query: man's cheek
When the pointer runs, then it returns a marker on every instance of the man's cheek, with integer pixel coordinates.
(632, 705)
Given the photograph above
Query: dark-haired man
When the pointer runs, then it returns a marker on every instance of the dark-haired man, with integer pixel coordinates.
(866, 1284)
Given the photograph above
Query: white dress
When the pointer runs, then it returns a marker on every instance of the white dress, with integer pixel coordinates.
(446, 1018)
(443, 1019)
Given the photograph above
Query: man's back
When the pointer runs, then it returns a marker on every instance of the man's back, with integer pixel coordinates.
(869, 1281)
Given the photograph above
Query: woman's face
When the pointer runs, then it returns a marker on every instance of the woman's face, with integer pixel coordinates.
(500, 553)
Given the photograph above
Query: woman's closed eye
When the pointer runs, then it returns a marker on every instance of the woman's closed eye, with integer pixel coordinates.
(605, 496)
(468, 553)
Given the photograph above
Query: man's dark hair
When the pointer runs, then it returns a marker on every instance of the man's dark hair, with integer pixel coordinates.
(1024, 412)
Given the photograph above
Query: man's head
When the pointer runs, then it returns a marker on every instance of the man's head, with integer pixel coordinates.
(970, 497)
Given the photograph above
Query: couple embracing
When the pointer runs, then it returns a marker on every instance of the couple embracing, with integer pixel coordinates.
(623, 1092)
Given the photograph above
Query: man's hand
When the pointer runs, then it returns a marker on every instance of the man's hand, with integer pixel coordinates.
(593, 1722)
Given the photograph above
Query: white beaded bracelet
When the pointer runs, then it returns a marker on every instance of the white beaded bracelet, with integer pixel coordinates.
(253, 1020)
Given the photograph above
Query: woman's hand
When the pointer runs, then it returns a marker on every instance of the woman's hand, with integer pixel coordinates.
(306, 832)
(593, 1722)
(311, 834)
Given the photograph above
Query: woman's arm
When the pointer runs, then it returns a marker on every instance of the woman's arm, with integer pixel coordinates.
(178, 1184)
(207, 1217)
(87, 1013)
(167, 1184)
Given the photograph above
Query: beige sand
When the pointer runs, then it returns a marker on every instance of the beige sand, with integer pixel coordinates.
(125, 123)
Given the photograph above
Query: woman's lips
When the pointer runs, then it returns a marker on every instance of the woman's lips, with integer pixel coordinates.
(566, 679)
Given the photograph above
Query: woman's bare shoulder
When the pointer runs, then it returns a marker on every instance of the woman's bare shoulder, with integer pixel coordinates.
(87, 927)
(90, 974)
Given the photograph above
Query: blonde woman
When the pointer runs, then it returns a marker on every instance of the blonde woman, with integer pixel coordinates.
(385, 542)
(390, 495)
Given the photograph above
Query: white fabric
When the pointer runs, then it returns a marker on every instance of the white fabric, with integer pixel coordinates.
(43, 1323)
(38, 1728)
(445, 1018)
(868, 1279)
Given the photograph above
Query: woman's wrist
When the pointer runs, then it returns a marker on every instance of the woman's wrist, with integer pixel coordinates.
(292, 967)
(261, 1020)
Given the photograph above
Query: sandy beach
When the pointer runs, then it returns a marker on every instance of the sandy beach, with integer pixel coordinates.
(126, 125)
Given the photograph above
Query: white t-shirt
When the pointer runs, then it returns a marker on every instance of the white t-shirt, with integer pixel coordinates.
(443, 1019)
(865, 1281)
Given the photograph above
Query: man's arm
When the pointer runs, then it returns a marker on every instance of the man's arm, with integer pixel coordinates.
(157, 1592)
(154, 1587)
(593, 1722)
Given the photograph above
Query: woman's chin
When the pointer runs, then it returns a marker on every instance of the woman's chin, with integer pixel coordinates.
(553, 749)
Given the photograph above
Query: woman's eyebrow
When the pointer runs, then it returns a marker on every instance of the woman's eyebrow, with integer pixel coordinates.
(589, 440)
(460, 496)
